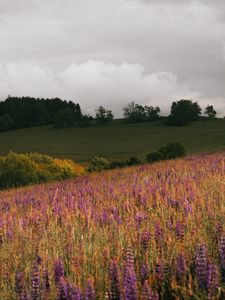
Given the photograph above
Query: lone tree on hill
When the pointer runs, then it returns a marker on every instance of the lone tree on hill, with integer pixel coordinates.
(210, 111)
(103, 116)
(182, 112)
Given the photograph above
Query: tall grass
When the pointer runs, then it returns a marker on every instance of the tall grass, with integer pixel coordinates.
(147, 232)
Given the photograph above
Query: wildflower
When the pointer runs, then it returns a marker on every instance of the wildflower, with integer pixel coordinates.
(212, 280)
(35, 282)
(45, 280)
(58, 271)
(130, 284)
(145, 238)
(144, 273)
(62, 289)
(115, 284)
(89, 291)
(201, 266)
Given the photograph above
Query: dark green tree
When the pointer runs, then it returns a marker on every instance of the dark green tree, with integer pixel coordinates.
(152, 113)
(28, 111)
(103, 116)
(182, 112)
(64, 118)
(210, 111)
(6, 123)
(134, 112)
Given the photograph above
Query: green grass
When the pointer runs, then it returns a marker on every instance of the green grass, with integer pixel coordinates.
(116, 141)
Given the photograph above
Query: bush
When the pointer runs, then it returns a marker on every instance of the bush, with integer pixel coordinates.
(154, 156)
(17, 170)
(22, 169)
(117, 164)
(132, 161)
(170, 151)
(98, 164)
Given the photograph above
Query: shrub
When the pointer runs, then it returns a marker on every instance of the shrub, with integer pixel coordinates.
(117, 164)
(170, 151)
(98, 163)
(133, 161)
(67, 168)
(154, 156)
(22, 169)
(16, 170)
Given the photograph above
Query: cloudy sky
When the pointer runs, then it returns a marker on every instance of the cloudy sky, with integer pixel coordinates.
(111, 52)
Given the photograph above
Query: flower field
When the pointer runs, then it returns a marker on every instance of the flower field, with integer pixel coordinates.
(148, 232)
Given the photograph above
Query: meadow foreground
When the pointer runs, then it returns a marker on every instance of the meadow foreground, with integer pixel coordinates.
(147, 232)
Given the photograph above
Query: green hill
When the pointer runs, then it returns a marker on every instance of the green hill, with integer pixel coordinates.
(116, 141)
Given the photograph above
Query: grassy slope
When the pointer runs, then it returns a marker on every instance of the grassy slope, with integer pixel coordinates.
(118, 140)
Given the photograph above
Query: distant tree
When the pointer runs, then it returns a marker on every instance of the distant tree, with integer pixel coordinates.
(6, 123)
(182, 112)
(64, 118)
(210, 111)
(28, 111)
(103, 116)
(152, 113)
(134, 112)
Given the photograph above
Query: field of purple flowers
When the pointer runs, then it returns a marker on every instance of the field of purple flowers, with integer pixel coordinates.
(147, 232)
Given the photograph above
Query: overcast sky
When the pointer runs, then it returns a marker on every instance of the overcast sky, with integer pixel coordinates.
(111, 52)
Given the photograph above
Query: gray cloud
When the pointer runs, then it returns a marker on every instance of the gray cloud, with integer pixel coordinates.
(111, 52)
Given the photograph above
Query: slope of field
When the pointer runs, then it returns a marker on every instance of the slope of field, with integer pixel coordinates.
(116, 141)
(133, 233)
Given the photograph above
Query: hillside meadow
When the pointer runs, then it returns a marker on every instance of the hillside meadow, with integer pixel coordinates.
(148, 232)
(118, 140)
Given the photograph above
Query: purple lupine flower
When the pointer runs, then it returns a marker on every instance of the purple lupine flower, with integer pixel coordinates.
(140, 218)
(35, 282)
(179, 230)
(74, 293)
(19, 283)
(149, 294)
(115, 282)
(159, 270)
(145, 238)
(45, 280)
(58, 271)
(170, 223)
(129, 257)
(144, 273)
(130, 284)
(158, 233)
(180, 266)
(222, 251)
(212, 280)
(201, 265)
(89, 291)
(62, 289)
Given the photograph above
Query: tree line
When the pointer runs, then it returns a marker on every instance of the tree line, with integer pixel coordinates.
(21, 112)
